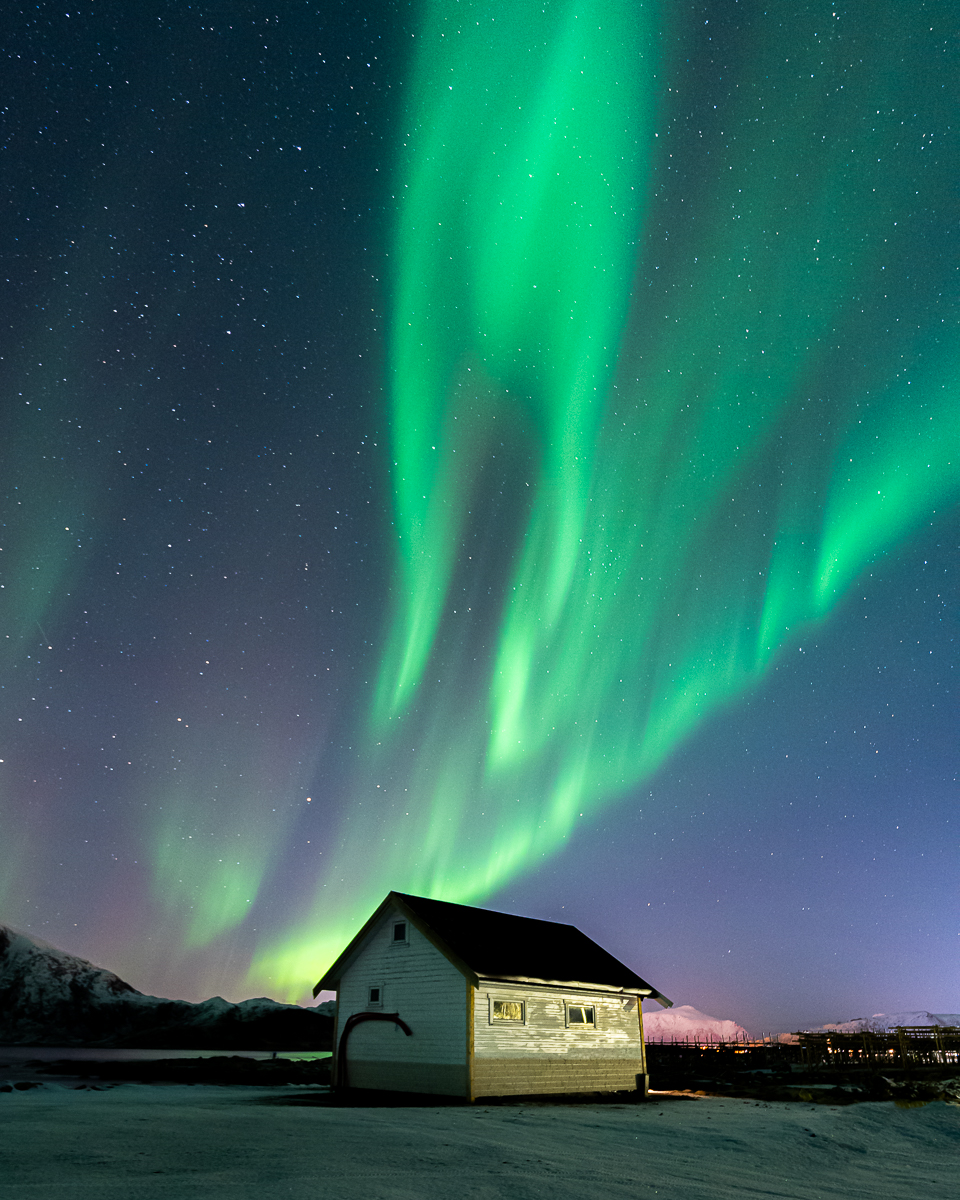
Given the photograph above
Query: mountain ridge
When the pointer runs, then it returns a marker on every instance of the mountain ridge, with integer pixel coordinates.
(49, 997)
(884, 1022)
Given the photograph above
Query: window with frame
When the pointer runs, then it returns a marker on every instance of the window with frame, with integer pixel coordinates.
(581, 1016)
(375, 995)
(399, 933)
(507, 1010)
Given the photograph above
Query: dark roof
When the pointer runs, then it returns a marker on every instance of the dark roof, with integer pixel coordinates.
(494, 945)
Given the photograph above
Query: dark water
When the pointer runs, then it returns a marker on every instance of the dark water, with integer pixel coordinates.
(17, 1054)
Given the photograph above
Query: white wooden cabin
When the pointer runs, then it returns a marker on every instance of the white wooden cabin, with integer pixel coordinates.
(459, 1001)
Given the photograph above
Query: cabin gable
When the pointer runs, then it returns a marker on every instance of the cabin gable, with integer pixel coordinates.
(410, 977)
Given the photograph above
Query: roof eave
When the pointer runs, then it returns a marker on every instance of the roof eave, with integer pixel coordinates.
(643, 990)
(330, 980)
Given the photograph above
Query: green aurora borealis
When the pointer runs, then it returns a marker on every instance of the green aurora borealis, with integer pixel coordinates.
(424, 426)
(696, 473)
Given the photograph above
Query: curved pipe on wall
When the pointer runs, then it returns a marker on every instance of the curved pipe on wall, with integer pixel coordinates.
(351, 1023)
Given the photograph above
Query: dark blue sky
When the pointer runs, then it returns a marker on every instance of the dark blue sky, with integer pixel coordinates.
(201, 296)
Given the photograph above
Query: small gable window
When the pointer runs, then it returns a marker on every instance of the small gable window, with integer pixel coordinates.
(400, 932)
(375, 996)
(507, 1010)
(581, 1015)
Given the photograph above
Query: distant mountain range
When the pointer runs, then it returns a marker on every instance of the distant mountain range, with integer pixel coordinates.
(881, 1022)
(685, 1023)
(50, 998)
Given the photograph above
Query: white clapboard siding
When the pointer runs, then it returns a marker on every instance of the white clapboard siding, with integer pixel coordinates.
(419, 984)
(544, 1031)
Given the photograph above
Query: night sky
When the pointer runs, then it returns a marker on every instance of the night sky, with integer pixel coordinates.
(506, 452)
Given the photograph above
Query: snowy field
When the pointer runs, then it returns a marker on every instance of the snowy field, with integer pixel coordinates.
(168, 1143)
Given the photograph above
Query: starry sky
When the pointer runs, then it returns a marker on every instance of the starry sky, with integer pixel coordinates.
(506, 452)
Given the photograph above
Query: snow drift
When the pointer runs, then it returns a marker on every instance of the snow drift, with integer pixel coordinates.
(191, 1143)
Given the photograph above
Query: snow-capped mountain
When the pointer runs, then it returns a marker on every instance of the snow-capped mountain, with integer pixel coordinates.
(881, 1022)
(686, 1023)
(51, 998)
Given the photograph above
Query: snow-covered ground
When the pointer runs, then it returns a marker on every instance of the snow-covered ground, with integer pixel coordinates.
(206, 1143)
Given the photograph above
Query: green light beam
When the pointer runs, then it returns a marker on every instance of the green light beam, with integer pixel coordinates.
(714, 435)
